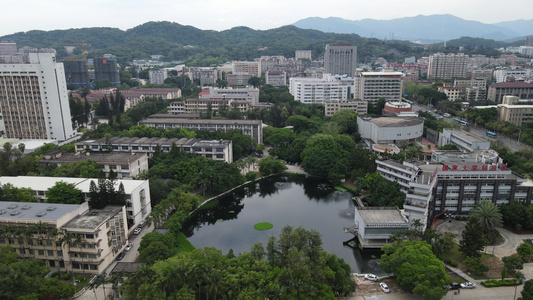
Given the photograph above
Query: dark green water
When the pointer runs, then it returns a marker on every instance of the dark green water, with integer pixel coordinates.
(281, 200)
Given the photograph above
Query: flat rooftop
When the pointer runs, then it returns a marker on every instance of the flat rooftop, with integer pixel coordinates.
(30, 211)
(101, 158)
(93, 218)
(381, 215)
(396, 121)
(466, 135)
(37, 183)
(170, 118)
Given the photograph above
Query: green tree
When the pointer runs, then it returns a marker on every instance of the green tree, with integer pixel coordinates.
(472, 238)
(270, 165)
(64, 193)
(324, 157)
(527, 291)
(513, 264)
(13, 194)
(525, 250)
(255, 81)
(416, 267)
(488, 214)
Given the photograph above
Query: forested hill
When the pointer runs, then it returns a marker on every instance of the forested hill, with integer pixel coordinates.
(206, 47)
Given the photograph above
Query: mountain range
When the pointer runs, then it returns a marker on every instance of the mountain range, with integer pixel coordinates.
(427, 29)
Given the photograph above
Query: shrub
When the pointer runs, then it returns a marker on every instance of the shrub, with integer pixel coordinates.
(80, 278)
(495, 283)
(450, 262)
(251, 176)
(66, 276)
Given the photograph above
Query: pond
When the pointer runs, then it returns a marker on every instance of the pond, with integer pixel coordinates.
(310, 203)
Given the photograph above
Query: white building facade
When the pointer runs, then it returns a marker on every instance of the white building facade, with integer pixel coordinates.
(34, 99)
(314, 90)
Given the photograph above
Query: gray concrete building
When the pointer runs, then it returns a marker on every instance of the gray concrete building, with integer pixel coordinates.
(340, 59)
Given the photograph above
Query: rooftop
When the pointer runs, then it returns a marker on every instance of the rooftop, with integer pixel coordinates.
(29, 211)
(37, 183)
(170, 118)
(383, 121)
(516, 84)
(93, 218)
(99, 158)
(466, 135)
(381, 215)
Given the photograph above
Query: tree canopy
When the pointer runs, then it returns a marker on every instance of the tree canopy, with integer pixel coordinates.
(416, 267)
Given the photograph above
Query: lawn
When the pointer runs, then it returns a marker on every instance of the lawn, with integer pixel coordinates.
(183, 244)
(494, 263)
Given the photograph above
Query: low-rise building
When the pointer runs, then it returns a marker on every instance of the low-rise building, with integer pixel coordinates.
(379, 132)
(276, 78)
(137, 192)
(375, 225)
(67, 237)
(358, 106)
(124, 165)
(463, 140)
(497, 91)
(252, 128)
(221, 150)
(238, 79)
(453, 93)
(398, 109)
(511, 111)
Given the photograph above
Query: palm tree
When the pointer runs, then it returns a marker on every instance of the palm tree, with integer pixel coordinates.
(69, 239)
(488, 214)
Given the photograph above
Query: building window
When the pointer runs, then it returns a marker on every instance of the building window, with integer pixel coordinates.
(220, 149)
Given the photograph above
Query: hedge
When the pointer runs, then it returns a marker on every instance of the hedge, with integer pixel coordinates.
(495, 283)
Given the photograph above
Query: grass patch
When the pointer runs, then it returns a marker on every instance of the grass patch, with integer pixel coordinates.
(340, 188)
(263, 226)
(183, 244)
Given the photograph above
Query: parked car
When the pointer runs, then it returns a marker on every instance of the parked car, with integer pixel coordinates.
(141, 225)
(468, 285)
(371, 277)
(447, 115)
(129, 246)
(137, 230)
(530, 241)
(97, 278)
(121, 255)
(384, 287)
(453, 286)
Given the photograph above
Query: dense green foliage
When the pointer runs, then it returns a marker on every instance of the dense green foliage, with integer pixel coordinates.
(520, 162)
(292, 267)
(270, 165)
(64, 193)
(9, 193)
(517, 215)
(104, 193)
(527, 291)
(384, 192)
(440, 243)
(416, 267)
(488, 214)
(24, 278)
(472, 238)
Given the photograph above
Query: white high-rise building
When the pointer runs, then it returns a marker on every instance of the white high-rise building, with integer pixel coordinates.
(34, 99)
(371, 86)
(315, 90)
(446, 66)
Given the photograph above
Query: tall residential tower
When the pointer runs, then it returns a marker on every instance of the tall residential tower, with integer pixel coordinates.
(340, 59)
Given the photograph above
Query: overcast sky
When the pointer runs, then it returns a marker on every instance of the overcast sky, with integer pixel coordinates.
(25, 15)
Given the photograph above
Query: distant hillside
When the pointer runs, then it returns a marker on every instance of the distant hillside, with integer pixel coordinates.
(207, 47)
(421, 28)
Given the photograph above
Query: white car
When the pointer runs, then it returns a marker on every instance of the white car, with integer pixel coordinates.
(468, 285)
(137, 230)
(129, 246)
(384, 287)
(371, 277)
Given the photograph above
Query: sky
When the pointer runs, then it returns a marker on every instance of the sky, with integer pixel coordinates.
(25, 15)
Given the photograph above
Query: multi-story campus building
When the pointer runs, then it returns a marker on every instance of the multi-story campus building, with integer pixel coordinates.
(511, 75)
(318, 90)
(34, 100)
(340, 59)
(302, 54)
(276, 78)
(138, 205)
(511, 111)
(249, 67)
(214, 149)
(358, 106)
(371, 86)
(157, 76)
(497, 91)
(124, 165)
(433, 189)
(69, 237)
(250, 94)
(382, 133)
(446, 66)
